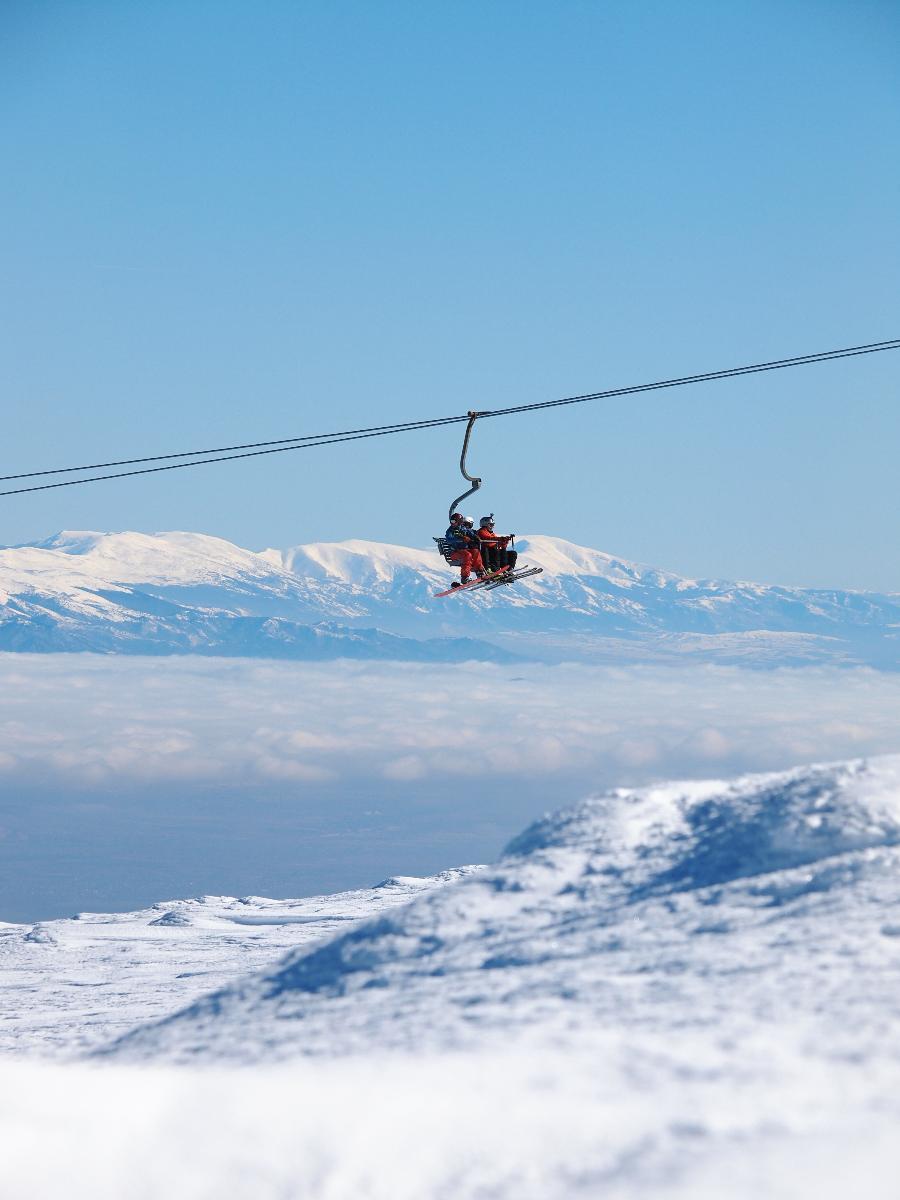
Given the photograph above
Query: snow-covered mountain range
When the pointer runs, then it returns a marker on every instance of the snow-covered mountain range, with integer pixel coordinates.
(687, 990)
(177, 593)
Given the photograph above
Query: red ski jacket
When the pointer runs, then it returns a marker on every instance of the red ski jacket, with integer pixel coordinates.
(485, 535)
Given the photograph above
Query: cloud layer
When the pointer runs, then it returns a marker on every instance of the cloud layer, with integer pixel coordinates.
(84, 721)
(124, 781)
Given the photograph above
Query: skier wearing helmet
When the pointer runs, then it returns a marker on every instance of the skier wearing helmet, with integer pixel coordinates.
(464, 545)
(494, 552)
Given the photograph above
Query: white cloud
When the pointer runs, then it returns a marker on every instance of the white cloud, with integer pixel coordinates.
(92, 720)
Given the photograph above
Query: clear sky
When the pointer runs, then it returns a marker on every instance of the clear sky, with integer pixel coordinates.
(226, 221)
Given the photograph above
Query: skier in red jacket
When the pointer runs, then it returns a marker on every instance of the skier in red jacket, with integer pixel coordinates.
(494, 550)
(465, 546)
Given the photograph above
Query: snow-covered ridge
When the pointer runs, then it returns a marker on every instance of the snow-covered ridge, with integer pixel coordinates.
(176, 593)
(166, 558)
(355, 562)
(178, 557)
(361, 562)
(582, 906)
(686, 991)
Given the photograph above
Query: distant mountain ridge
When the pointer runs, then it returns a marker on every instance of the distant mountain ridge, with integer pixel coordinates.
(181, 593)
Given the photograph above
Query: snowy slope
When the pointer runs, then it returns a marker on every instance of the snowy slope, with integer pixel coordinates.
(631, 909)
(178, 593)
(359, 563)
(686, 991)
(75, 983)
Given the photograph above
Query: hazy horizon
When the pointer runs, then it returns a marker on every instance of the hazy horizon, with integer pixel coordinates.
(127, 781)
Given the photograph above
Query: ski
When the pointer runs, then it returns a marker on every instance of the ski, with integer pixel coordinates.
(504, 578)
(489, 582)
(466, 587)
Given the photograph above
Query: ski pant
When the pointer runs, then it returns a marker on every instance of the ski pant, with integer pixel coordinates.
(495, 557)
(467, 561)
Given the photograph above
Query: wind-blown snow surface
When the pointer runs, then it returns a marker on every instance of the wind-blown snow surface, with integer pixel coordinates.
(182, 593)
(74, 983)
(687, 990)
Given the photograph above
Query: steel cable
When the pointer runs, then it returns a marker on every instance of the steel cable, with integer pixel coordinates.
(311, 441)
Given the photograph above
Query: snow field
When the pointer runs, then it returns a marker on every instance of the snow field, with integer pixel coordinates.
(73, 984)
(686, 991)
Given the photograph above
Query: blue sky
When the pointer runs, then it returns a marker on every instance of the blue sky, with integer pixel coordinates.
(226, 221)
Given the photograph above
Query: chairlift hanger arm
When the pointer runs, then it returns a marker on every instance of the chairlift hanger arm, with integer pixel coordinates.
(473, 479)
